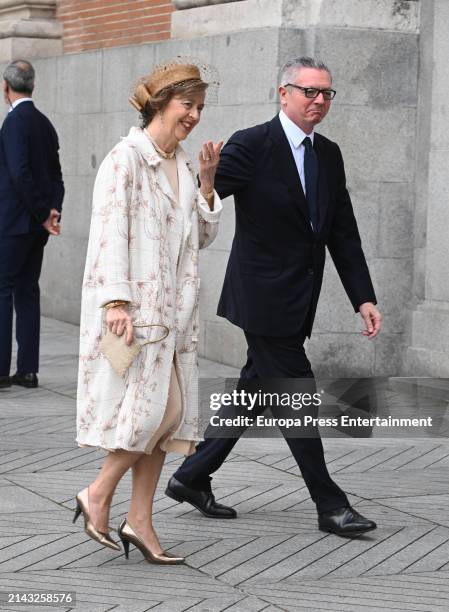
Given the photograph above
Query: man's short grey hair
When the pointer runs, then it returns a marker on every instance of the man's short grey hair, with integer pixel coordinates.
(20, 76)
(290, 68)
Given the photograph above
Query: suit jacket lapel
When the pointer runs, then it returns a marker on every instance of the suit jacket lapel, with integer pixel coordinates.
(287, 167)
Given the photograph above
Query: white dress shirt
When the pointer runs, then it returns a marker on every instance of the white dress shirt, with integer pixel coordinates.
(295, 136)
(16, 102)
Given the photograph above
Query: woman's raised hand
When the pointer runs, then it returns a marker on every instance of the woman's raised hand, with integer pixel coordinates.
(209, 157)
(119, 321)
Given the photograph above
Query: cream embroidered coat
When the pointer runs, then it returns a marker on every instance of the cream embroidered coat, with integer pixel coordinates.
(143, 248)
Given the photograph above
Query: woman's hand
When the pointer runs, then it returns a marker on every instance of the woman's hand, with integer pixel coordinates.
(119, 321)
(209, 157)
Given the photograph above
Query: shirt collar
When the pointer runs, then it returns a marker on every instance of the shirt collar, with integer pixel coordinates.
(17, 102)
(293, 132)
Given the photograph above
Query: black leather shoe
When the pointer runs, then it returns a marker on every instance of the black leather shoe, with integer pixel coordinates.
(5, 381)
(345, 522)
(25, 380)
(204, 501)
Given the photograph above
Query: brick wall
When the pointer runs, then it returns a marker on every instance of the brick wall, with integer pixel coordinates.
(91, 24)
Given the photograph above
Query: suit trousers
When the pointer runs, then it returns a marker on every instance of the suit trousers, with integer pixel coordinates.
(20, 267)
(271, 358)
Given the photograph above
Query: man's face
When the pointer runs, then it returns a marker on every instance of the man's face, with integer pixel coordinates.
(306, 112)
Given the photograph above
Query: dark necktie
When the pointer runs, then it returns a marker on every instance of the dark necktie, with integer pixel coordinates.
(311, 176)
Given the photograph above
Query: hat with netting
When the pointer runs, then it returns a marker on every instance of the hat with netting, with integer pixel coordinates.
(170, 75)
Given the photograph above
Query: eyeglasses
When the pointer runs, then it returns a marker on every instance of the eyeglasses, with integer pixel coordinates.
(312, 92)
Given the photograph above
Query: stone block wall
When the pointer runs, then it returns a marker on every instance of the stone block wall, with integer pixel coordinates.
(374, 121)
(28, 28)
(427, 351)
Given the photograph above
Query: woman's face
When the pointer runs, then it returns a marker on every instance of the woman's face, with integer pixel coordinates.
(182, 114)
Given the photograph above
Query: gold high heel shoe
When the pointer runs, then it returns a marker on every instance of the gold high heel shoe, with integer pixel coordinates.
(128, 535)
(89, 528)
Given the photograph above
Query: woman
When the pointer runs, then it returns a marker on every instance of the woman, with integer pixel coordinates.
(148, 221)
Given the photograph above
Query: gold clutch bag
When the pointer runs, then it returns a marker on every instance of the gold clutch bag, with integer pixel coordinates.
(119, 354)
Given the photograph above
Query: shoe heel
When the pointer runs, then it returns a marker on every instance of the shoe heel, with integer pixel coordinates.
(77, 512)
(172, 495)
(126, 547)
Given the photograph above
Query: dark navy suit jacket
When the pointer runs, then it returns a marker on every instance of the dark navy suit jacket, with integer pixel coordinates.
(275, 268)
(30, 173)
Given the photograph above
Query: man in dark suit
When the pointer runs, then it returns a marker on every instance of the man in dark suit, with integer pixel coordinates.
(291, 202)
(31, 194)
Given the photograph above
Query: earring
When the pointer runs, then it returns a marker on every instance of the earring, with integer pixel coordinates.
(161, 115)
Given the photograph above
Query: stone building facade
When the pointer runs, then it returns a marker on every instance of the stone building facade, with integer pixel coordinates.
(390, 117)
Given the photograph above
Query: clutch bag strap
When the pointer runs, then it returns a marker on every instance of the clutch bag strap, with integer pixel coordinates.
(165, 329)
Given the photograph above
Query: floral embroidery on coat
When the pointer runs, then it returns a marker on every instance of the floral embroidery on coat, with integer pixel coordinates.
(143, 248)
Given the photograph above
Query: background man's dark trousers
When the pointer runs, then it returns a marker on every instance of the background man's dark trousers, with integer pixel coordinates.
(20, 267)
(270, 358)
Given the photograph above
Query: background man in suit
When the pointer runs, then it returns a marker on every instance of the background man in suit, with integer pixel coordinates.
(291, 202)
(31, 194)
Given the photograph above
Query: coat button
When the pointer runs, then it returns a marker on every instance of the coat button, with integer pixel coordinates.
(310, 271)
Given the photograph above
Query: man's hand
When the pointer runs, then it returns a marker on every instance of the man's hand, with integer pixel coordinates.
(372, 318)
(52, 223)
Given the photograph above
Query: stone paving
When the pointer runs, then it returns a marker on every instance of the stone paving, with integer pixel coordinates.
(271, 558)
